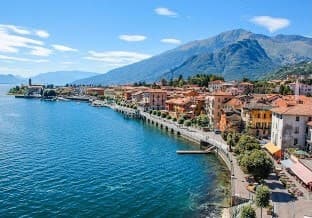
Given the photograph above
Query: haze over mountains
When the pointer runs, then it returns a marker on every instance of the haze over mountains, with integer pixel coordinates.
(233, 54)
(56, 78)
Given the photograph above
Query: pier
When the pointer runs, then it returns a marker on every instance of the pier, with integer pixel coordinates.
(207, 151)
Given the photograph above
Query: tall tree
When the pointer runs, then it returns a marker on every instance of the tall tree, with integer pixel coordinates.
(262, 197)
(247, 211)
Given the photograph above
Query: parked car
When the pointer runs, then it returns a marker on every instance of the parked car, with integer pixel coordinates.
(217, 131)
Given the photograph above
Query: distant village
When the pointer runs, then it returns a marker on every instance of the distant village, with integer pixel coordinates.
(277, 112)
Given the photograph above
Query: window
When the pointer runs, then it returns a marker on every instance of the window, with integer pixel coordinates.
(258, 115)
(310, 118)
(295, 141)
(263, 116)
(296, 130)
(297, 118)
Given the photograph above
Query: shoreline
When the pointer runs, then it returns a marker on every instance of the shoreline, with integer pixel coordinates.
(173, 128)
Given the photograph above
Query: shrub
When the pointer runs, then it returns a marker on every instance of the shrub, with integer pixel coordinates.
(154, 112)
(150, 112)
(174, 119)
(187, 123)
(158, 113)
(168, 117)
(163, 115)
(181, 120)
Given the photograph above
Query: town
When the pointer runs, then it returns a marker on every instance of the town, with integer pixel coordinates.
(259, 121)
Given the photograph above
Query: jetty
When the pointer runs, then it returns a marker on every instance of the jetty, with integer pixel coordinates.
(207, 151)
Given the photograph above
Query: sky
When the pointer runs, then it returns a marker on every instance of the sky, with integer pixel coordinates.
(99, 35)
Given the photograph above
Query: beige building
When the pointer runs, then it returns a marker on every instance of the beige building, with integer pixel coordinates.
(214, 104)
(154, 99)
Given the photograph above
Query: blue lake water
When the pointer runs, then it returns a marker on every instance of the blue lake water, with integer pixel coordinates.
(70, 159)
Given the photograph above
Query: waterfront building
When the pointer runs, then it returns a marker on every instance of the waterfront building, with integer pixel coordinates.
(109, 93)
(95, 91)
(214, 102)
(179, 106)
(290, 126)
(154, 99)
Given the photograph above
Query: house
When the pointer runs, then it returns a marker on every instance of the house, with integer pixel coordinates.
(214, 103)
(215, 86)
(153, 99)
(290, 126)
(245, 87)
(95, 91)
(257, 117)
(230, 120)
(302, 89)
(179, 106)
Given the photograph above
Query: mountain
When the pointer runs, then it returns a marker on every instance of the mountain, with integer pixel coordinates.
(10, 79)
(302, 68)
(61, 77)
(233, 54)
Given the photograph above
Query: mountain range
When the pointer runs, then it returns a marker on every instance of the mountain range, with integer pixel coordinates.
(56, 78)
(10, 79)
(233, 54)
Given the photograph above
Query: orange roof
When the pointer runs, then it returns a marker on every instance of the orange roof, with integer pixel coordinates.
(234, 102)
(219, 93)
(299, 109)
(155, 91)
(179, 101)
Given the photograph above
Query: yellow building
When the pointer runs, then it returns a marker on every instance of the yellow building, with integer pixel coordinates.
(257, 118)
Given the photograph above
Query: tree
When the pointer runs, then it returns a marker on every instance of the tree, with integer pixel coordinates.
(163, 82)
(257, 163)
(246, 143)
(247, 211)
(262, 197)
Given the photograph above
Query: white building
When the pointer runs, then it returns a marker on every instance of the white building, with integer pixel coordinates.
(290, 126)
(302, 89)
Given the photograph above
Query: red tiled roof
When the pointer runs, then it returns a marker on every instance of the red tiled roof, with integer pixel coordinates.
(300, 109)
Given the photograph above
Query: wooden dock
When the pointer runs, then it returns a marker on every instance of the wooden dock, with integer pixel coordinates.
(207, 151)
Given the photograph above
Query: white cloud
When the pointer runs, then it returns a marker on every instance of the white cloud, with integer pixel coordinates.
(171, 41)
(42, 33)
(132, 38)
(15, 29)
(117, 58)
(63, 48)
(11, 43)
(10, 58)
(165, 12)
(40, 51)
(271, 23)
(67, 63)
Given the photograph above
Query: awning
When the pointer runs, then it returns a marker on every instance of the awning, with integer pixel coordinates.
(287, 163)
(302, 172)
(272, 148)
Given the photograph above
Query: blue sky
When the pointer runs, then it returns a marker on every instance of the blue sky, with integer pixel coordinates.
(99, 35)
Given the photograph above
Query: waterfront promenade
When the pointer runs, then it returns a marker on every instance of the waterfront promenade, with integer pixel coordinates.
(284, 204)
